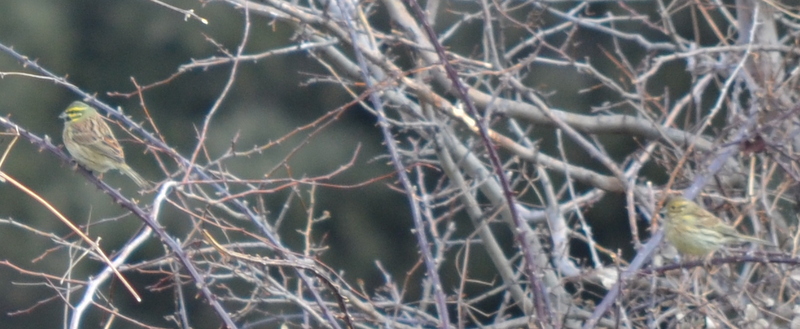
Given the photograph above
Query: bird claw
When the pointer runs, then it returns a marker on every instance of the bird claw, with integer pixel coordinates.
(708, 259)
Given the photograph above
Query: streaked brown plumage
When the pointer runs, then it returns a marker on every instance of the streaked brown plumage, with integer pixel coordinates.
(91, 142)
(695, 231)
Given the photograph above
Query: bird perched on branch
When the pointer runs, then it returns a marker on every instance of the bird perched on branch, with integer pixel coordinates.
(695, 231)
(90, 141)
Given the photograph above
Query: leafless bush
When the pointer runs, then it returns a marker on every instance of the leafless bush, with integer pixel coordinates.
(546, 106)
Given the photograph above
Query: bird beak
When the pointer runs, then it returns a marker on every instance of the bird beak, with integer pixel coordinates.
(63, 115)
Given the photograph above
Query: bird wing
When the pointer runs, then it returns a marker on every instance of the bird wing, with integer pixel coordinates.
(102, 142)
(705, 218)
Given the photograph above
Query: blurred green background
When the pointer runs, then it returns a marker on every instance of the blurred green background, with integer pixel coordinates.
(100, 46)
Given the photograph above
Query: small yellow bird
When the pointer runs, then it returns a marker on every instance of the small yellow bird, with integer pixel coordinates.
(92, 143)
(695, 231)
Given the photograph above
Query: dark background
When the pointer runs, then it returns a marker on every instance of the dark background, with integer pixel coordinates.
(100, 46)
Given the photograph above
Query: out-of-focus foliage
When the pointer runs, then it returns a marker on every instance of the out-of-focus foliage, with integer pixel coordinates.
(101, 46)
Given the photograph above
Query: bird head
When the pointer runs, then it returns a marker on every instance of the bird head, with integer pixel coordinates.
(677, 205)
(77, 111)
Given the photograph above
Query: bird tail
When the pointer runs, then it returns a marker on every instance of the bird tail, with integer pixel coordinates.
(135, 177)
(756, 240)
